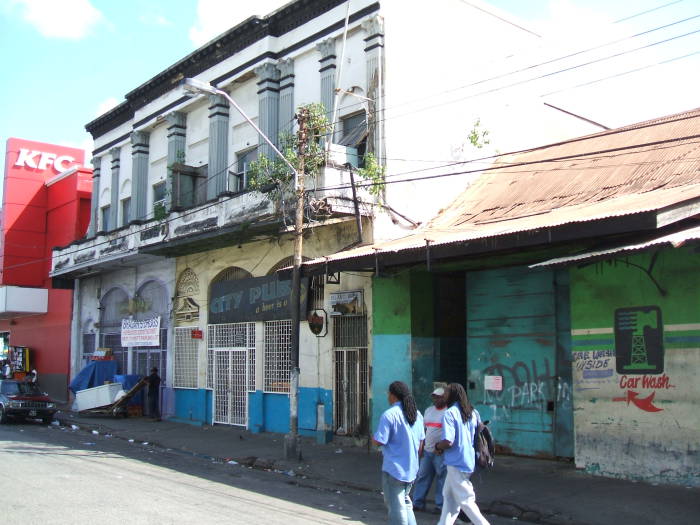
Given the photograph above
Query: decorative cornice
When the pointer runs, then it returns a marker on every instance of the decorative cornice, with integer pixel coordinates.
(238, 38)
(176, 119)
(286, 67)
(374, 26)
(267, 72)
(326, 48)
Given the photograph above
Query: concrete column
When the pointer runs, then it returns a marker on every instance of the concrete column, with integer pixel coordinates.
(217, 171)
(139, 176)
(327, 66)
(182, 194)
(268, 107)
(286, 125)
(374, 57)
(114, 196)
(94, 203)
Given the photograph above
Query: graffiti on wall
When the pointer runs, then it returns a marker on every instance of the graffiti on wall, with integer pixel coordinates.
(639, 353)
(526, 386)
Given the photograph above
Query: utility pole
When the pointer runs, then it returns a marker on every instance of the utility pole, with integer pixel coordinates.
(292, 443)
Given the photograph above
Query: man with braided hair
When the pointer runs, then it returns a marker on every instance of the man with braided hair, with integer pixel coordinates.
(400, 433)
(458, 426)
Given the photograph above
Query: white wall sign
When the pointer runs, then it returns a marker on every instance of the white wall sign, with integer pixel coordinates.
(493, 383)
(141, 333)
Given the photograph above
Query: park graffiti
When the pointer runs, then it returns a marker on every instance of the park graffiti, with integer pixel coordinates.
(527, 386)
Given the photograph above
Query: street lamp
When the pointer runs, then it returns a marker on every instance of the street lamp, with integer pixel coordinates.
(292, 443)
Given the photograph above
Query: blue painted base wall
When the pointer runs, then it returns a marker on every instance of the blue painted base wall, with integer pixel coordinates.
(193, 406)
(392, 362)
(270, 412)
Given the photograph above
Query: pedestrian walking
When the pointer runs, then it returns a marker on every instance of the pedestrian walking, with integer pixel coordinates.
(431, 464)
(400, 433)
(457, 446)
(7, 370)
(154, 394)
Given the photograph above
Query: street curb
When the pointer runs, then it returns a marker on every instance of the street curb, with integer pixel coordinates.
(500, 508)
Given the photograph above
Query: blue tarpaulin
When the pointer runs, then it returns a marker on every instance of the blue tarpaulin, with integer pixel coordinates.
(128, 382)
(94, 374)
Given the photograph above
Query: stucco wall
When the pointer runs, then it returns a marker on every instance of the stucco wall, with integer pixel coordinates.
(637, 418)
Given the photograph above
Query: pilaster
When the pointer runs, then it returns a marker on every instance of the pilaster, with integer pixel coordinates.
(139, 175)
(374, 59)
(268, 106)
(217, 174)
(327, 67)
(177, 148)
(286, 68)
(95, 199)
(114, 192)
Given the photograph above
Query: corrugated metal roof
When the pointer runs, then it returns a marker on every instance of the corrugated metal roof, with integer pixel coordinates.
(639, 168)
(675, 239)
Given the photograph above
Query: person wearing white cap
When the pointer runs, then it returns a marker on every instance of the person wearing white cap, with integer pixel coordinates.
(431, 464)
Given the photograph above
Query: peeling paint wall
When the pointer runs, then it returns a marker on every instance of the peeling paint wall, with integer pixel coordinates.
(636, 357)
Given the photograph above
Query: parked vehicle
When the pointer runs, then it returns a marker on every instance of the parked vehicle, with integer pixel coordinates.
(22, 400)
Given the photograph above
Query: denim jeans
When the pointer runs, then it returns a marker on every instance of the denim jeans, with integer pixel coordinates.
(397, 500)
(431, 466)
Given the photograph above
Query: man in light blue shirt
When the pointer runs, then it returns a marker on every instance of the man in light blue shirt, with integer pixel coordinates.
(458, 427)
(400, 433)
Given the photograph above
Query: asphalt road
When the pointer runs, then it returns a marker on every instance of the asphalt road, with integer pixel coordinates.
(55, 475)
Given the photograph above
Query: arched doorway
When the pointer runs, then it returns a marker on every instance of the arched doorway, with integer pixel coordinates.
(151, 301)
(230, 359)
(113, 308)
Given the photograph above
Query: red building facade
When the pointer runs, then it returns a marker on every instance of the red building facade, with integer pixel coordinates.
(46, 203)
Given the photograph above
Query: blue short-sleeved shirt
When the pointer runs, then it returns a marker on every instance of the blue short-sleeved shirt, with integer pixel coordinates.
(461, 454)
(400, 443)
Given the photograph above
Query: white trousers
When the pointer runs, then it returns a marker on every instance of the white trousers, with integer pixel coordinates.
(458, 493)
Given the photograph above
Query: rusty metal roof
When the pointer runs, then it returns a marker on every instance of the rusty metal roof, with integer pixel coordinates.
(644, 167)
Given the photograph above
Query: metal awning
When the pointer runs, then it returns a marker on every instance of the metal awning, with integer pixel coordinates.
(676, 240)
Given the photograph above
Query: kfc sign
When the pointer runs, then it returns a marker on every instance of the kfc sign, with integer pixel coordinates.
(24, 156)
(42, 160)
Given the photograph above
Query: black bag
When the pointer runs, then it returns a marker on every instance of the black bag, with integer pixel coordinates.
(484, 446)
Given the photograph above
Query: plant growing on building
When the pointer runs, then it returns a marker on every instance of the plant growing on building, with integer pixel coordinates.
(478, 137)
(268, 172)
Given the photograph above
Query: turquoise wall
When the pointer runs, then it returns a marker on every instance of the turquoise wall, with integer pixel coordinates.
(193, 406)
(270, 412)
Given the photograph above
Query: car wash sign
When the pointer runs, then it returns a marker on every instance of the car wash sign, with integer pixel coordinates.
(257, 299)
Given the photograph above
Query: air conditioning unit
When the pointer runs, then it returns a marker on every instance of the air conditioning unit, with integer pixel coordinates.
(341, 155)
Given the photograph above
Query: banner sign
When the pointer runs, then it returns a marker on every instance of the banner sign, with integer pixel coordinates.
(141, 333)
(256, 299)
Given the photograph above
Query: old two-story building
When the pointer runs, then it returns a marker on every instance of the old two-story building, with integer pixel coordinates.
(561, 288)
(179, 241)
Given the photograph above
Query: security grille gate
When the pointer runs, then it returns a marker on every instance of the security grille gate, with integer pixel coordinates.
(231, 370)
(351, 374)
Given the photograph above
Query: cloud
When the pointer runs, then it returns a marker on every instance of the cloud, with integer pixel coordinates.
(106, 105)
(214, 17)
(154, 20)
(70, 19)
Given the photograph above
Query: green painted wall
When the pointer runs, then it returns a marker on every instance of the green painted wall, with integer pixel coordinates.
(636, 355)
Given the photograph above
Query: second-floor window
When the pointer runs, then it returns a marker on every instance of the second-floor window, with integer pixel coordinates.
(354, 130)
(126, 211)
(105, 218)
(159, 205)
(238, 181)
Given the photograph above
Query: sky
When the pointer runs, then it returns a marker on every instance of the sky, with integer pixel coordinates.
(65, 62)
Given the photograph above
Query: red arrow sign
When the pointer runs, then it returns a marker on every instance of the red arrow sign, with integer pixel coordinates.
(645, 404)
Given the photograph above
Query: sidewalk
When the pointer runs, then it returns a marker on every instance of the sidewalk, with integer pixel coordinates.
(529, 490)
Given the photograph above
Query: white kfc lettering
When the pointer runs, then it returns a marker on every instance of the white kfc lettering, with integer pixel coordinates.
(28, 158)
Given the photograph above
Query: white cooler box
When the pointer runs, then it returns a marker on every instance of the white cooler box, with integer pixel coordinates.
(98, 396)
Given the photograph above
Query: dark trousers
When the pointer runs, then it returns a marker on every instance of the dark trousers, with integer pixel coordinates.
(153, 408)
